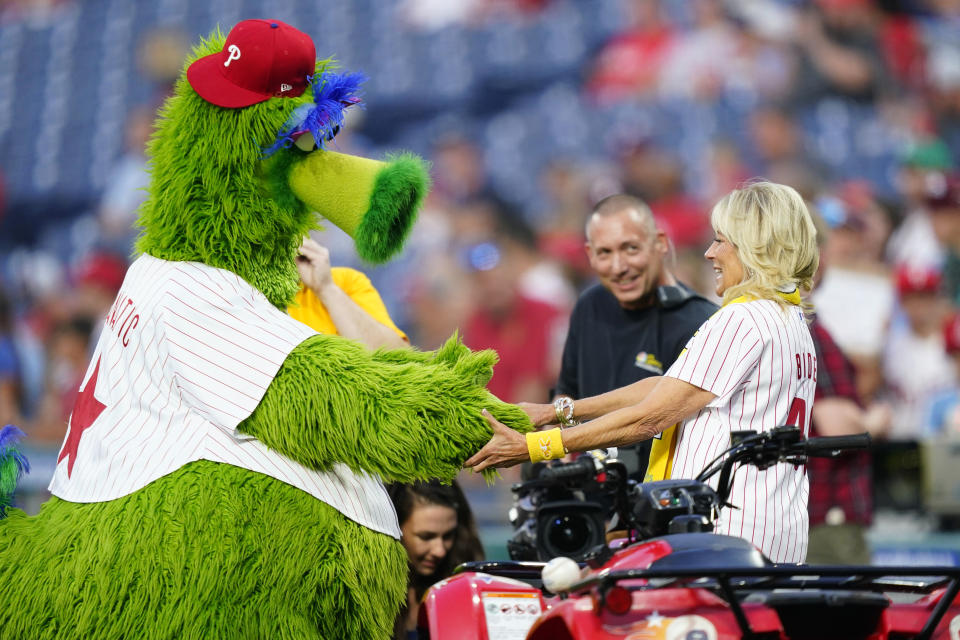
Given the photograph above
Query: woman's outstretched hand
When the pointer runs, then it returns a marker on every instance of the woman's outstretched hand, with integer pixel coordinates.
(505, 449)
(540, 414)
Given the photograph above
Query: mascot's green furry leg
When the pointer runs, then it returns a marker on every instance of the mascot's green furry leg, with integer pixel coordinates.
(248, 557)
(366, 574)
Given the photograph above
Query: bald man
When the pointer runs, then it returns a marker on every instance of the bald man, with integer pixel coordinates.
(633, 323)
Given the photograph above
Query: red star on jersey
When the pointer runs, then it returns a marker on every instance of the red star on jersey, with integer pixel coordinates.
(86, 409)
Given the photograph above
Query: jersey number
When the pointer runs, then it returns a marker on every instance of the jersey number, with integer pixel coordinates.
(798, 415)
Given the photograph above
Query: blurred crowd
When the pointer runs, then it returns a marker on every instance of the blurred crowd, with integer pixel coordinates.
(505, 272)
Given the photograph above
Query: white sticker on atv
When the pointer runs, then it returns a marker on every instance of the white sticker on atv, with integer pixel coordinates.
(659, 627)
(691, 628)
(510, 615)
(955, 628)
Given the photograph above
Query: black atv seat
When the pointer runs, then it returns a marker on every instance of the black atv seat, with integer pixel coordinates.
(709, 551)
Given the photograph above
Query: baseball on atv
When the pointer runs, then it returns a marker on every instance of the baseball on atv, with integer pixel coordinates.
(671, 579)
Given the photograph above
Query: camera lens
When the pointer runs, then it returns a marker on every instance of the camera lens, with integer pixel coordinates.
(567, 534)
(571, 532)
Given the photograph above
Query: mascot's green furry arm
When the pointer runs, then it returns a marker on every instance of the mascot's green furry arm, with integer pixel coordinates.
(424, 427)
(221, 472)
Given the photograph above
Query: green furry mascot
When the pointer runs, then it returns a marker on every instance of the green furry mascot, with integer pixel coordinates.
(221, 473)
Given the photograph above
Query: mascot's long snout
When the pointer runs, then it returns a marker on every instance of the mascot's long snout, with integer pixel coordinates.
(374, 202)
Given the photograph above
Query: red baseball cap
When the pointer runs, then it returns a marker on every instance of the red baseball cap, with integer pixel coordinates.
(260, 59)
(917, 279)
(102, 270)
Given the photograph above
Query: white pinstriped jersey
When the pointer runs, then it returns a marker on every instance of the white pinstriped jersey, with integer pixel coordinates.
(761, 364)
(186, 354)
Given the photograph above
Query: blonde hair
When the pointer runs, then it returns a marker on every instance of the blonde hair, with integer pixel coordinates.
(771, 228)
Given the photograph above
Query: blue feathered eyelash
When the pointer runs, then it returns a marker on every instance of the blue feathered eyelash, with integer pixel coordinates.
(333, 93)
(13, 461)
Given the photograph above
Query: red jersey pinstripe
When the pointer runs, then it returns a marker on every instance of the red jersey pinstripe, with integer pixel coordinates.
(186, 355)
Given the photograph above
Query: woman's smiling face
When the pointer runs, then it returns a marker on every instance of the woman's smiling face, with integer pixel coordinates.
(727, 267)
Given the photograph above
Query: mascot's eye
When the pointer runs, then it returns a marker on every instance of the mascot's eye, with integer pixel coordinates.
(322, 118)
(305, 142)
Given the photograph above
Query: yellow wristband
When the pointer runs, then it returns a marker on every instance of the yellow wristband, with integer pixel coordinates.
(545, 445)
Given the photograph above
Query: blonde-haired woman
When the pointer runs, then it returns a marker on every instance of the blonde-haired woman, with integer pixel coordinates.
(751, 366)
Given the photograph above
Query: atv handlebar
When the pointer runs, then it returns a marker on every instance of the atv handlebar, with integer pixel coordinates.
(833, 446)
(782, 444)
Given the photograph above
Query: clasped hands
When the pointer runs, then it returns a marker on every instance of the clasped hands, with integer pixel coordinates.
(508, 447)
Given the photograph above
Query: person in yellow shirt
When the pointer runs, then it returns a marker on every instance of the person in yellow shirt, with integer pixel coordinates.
(341, 301)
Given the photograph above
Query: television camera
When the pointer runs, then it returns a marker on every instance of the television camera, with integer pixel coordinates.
(568, 508)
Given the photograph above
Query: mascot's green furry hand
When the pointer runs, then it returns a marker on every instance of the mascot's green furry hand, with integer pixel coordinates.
(404, 415)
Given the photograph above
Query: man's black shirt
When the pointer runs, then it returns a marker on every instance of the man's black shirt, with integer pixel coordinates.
(609, 347)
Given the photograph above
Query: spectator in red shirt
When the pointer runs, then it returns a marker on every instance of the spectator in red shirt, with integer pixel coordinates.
(628, 65)
(527, 334)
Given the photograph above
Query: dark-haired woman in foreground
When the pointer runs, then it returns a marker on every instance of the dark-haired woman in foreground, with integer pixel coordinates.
(438, 533)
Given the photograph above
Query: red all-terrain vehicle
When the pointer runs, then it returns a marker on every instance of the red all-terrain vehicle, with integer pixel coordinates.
(672, 579)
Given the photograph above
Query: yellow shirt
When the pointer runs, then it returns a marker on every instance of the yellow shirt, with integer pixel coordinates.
(308, 309)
